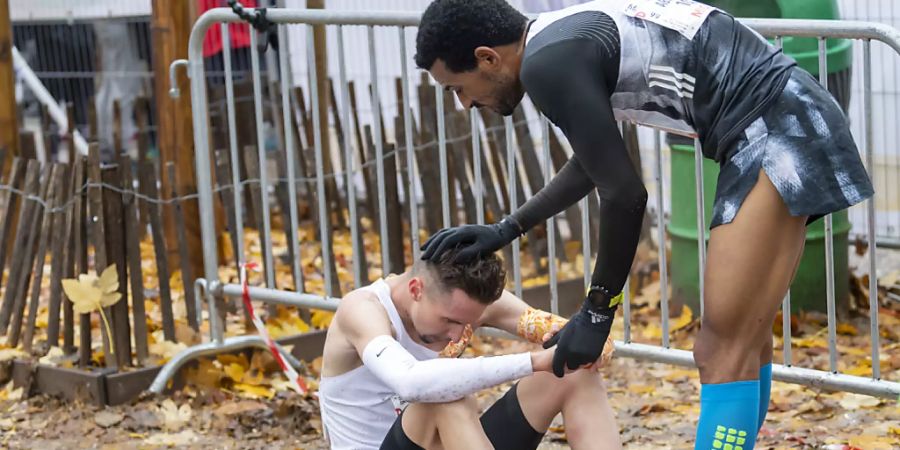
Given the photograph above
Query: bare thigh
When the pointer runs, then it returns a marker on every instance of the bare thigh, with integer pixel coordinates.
(751, 262)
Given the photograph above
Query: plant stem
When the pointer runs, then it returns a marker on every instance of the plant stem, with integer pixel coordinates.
(112, 348)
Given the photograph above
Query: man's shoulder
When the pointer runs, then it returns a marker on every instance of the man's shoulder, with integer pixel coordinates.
(360, 308)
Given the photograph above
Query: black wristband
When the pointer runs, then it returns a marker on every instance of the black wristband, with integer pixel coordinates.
(509, 228)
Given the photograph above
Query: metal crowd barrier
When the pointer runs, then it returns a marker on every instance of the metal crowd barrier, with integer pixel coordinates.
(210, 287)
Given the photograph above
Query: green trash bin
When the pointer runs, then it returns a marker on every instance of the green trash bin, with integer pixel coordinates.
(808, 291)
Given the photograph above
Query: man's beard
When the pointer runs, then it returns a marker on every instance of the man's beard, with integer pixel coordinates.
(508, 96)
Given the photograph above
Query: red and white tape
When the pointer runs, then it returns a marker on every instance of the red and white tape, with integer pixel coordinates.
(289, 371)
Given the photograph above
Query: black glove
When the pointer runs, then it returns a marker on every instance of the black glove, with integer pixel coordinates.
(581, 341)
(474, 240)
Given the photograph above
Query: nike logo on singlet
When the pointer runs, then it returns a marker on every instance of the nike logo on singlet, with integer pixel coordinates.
(380, 352)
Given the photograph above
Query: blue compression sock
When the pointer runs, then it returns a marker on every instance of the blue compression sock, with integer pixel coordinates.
(728, 415)
(765, 390)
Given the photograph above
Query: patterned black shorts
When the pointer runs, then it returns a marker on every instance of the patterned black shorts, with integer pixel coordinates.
(803, 143)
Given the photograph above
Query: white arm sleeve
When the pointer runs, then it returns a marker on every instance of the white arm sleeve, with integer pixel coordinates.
(442, 379)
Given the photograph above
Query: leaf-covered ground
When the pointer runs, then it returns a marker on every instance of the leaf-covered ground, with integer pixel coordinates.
(244, 402)
(655, 407)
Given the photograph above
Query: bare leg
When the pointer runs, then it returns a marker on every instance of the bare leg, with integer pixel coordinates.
(751, 263)
(450, 426)
(581, 398)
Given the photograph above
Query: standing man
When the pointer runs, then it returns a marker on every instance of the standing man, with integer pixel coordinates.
(784, 147)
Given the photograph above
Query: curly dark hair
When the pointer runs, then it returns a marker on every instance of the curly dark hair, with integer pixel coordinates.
(452, 29)
(482, 279)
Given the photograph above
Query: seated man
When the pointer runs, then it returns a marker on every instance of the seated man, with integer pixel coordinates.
(381, 354)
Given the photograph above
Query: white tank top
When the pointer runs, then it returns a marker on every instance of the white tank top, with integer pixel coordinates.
(357, 408)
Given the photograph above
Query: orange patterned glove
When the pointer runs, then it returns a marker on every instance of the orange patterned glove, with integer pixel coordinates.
(455, 349)
(534, 324)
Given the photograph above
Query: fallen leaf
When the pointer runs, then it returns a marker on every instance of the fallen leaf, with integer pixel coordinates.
(243, 406)
(7, 354)
(52, 356)
(254, 391)
(174, 417)
(869, 442)
(235, 371)
(856, 401)
(166, 349)
(847, 330)
(172, 439)
(107, 418)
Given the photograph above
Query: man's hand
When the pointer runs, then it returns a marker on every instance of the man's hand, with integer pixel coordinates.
(474, 240)
(542, 361)
(581, 341)
(608, 349)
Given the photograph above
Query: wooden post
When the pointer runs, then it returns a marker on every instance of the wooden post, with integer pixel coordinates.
(187, 274)
(9, 126)
(11, 208)
(368, 172)
(60, 236)
(27, 257)
(429, 172)
(133, 255)
(80, 236)
(51, 228)
(147, 178)
(141, 106)
(171, 25)
(75, 241)
(98, 233)
(23, 231)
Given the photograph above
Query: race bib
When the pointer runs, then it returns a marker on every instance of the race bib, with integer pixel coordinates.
(683, 16)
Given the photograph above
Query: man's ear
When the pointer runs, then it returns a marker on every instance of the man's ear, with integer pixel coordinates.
(487, 57)
(416, 288)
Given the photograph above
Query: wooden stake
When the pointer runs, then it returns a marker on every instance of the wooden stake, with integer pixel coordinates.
(148, 188)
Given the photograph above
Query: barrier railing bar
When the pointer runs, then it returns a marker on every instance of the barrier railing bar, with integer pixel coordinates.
(870, 209)
(551, 222)
(661, 239)
(233, 143)
(379, 155)
(320, 164)
(266, 231)
(289, 149)
(410, 157)
(829, 242)
(348, 157)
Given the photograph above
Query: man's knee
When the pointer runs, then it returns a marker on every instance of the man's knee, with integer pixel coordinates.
(581, 382)
(462, 409)
(712, 348)
(423, 421)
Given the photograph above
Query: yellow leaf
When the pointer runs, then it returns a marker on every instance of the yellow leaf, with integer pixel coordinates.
(282, 384)
(109, 280)
(251, 391)
(110, 299)
(321, 319)
(847, 329)
(89, 278)
(166, 349)
(870, 442)
(83, 295)
(811, 342)
(235, 372)
(683, 320)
